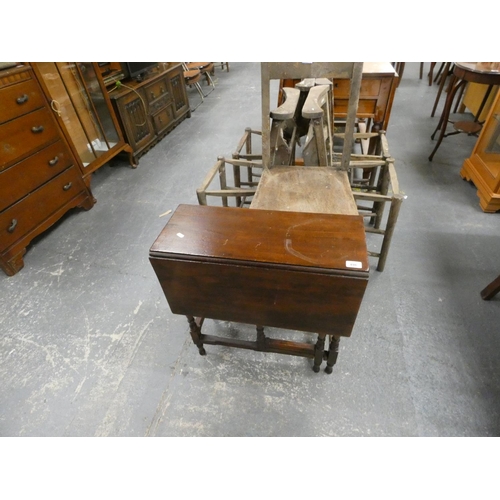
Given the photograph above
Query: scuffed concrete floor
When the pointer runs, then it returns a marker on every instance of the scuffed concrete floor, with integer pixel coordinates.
(89, 347)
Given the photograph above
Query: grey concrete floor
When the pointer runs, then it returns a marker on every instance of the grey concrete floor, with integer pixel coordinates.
(89, 347)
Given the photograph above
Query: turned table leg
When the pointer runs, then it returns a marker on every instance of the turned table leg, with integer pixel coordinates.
(319, 350)
(333, 353)
(261, 337)
(195, 332)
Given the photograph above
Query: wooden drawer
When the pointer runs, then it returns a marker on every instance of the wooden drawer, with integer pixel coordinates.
(156, 90)
(21, 219)
(369, 88)
(159, 104)
(27, 175)
(25, 135)
(19, 99)
(366, 108)
(163, 119)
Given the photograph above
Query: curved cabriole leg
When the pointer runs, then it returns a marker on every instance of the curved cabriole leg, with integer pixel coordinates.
(332, 353)
(318, 352)
(195, 332)
(454, 86)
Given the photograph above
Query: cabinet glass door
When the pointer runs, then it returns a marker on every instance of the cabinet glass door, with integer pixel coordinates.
(78, 98)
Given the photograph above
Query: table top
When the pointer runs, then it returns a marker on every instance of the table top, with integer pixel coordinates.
(378, 69)
(265, 238)
(480, 67)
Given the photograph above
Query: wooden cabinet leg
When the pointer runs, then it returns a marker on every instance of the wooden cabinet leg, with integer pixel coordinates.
(333, 353)
(131, 159)
(14, 264)
(195, 332)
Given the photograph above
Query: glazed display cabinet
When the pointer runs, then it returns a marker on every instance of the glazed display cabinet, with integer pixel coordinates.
(79, 99)
(483, 166)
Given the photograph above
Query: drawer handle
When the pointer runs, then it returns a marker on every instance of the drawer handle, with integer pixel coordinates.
(38, 129)
(162, 90)
(22, 99)
(152, 95)
(54, 161)
(12, 226)
(67, 186)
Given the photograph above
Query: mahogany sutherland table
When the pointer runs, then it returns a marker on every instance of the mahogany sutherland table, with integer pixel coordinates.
(290, 270)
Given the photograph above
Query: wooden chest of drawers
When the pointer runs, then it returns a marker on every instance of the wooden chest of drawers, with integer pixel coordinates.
(39, 178)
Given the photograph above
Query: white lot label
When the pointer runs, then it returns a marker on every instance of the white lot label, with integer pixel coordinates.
(353, 264)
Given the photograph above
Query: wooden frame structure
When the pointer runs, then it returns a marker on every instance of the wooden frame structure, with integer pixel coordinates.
(373, 180)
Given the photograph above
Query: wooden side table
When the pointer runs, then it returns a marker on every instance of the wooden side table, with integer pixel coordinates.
(297, 271)
(464, 72)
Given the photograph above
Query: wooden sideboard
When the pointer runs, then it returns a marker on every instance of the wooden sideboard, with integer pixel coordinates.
(149, 109)
(40, 179)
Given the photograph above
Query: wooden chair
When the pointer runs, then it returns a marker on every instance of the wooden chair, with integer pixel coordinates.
(352, 183)
(206, 69)
(231, 183)
(320, 189)
(192, 78)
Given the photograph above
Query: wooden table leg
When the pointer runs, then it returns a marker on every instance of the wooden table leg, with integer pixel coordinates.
(319, 350)
(491, 290)
(195, 332)
(453, 87)
(261, 337)
(333, 353)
